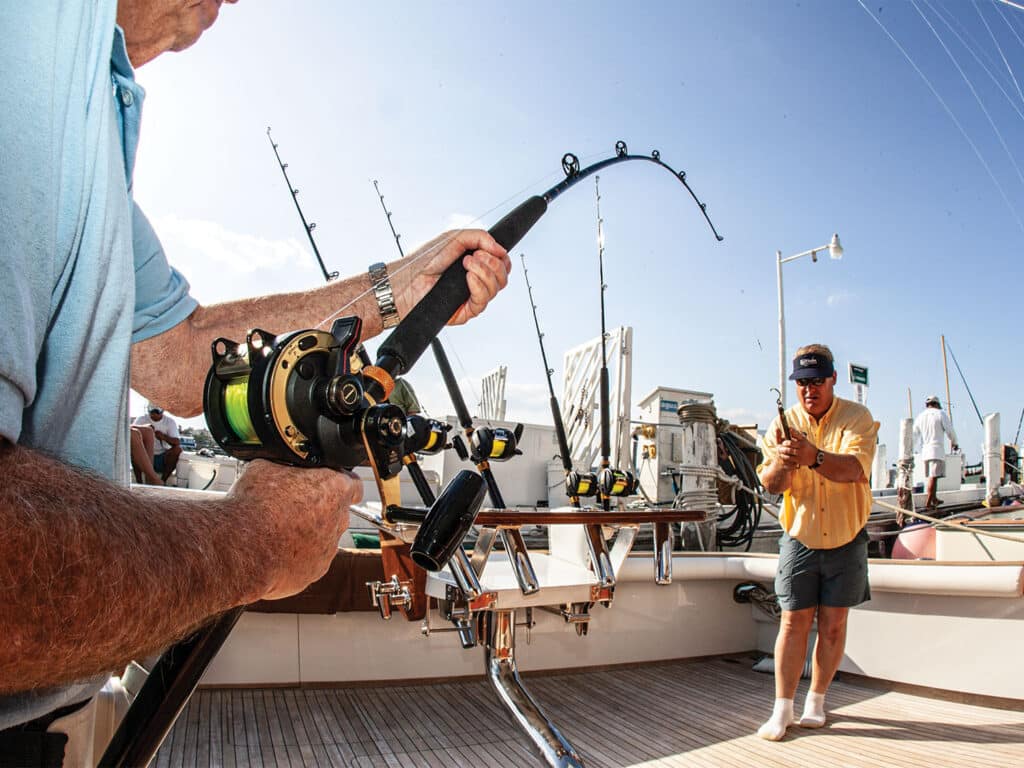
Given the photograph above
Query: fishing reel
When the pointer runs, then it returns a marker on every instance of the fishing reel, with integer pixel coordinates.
(490, 444)
(580, 484)
(310, 399)
(617, 483)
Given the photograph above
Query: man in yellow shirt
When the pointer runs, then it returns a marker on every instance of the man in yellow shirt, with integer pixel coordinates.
(822, 470)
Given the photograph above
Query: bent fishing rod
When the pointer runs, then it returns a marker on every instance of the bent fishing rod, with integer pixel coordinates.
(309, 398)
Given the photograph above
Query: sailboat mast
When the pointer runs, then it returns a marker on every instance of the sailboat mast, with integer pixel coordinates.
(945, 369)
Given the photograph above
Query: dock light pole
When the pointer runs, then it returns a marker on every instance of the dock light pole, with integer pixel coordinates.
(835, 251)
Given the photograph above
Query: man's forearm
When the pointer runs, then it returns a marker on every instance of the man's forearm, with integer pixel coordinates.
(776, 478)
(92, 576)
(171, 368)
(841, 468)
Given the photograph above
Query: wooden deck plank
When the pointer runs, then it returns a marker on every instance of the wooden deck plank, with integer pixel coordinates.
(685, 714)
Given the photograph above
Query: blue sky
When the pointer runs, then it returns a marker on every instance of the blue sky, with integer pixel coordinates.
(793, 120)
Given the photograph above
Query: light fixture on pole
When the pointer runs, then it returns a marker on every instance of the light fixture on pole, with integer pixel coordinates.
(835, 251)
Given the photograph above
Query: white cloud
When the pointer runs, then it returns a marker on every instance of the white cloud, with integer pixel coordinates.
(221, 264)
(837, 299)
(462, 221)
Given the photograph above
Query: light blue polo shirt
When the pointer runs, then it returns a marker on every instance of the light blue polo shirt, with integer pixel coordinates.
(84, 273)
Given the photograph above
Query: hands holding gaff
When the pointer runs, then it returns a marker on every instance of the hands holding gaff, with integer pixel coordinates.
(795, 452)
(487, 267)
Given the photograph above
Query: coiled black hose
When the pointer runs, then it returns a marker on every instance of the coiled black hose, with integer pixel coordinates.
(736, 526)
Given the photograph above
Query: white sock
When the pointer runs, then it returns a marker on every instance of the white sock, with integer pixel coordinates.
(814, 711)
(782, 718)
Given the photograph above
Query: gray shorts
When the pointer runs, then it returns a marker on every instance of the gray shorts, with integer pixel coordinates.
(935, 467)
(810, 577)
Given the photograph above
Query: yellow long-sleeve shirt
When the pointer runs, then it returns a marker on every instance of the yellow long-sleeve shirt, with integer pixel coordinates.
(822, 513)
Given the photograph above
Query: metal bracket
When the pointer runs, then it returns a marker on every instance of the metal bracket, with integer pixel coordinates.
(387, 595)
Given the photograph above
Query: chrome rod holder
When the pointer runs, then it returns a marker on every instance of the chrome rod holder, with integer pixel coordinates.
(663, 542)
(500, 661)
(600, 559)
(519, 557)
(482, 548)
(465, 577)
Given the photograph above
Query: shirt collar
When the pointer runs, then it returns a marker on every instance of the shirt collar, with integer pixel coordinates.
(119, 61)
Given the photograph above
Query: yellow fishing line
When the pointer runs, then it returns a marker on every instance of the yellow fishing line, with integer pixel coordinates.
(236, 410)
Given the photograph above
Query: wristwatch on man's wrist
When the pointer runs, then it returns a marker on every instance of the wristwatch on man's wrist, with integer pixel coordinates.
(384, 293)
(819, 459)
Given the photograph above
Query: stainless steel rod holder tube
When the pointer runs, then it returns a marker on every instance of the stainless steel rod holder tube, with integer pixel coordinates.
(500, 659)
(465, 577)
(600, 559)
(482, 549)
(519, 557)
(663, 540)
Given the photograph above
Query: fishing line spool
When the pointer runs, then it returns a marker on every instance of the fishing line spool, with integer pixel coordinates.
(307, 398)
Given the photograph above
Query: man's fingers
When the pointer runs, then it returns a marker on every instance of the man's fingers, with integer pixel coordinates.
(486, 275)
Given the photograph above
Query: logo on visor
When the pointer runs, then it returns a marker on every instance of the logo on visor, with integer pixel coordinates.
(808, 361)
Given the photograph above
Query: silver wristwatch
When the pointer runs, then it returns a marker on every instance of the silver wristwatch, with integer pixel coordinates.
(819, 459)
(384, 293)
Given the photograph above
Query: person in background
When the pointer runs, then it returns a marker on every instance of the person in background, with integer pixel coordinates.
(822, 470)
(161, 443)
(931, 428)
(404, 396)
(93, 574)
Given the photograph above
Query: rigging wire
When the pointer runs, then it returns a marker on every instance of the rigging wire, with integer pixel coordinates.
(1000, 49)
(952, 116)
(970, 86)
(970, 50)
(967, 33)
(964, 380)
(1012, 28)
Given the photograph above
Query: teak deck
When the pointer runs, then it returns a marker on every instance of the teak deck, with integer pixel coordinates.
(684, 713)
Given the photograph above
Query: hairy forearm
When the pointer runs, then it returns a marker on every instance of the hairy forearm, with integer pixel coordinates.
(171, 368)
(776, 478)
(841, 468)
(93, 576)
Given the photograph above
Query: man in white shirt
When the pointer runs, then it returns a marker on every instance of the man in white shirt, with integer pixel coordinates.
(160, 440)
(931, 426)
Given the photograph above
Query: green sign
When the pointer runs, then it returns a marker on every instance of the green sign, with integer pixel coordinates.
(858, 374)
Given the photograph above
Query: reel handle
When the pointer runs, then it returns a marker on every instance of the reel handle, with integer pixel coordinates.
(409, 340)
(448, 521)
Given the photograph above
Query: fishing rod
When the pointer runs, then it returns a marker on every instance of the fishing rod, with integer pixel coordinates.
(610, 482)
(425, 320)
(964, 380)
(1016, 438)
(308, 226)
(487, 445)
(310, 398)
(577, 484)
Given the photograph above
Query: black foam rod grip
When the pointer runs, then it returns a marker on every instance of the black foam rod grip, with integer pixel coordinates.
(409, 340)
